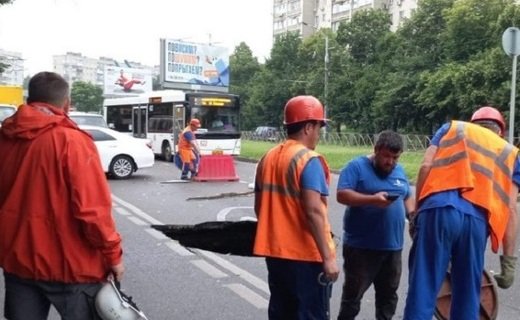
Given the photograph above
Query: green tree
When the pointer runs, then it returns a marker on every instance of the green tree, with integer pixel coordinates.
(243, 68)
(87, 97)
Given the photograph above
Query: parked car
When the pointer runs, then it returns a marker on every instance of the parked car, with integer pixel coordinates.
(90, 119)
(266, 133)
(6, 110)
(121, 155)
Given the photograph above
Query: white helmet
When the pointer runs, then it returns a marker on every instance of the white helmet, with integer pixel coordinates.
(112, 304)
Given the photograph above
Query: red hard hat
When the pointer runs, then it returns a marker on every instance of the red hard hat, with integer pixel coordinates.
(195, 122)
(303, 108)
(489, 113)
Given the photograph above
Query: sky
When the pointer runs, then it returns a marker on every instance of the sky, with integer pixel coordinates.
(129, 29)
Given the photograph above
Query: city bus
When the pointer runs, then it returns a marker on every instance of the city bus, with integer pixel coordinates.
(160, 116)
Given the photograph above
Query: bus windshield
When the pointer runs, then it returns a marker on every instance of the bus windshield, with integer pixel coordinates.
(217, 119)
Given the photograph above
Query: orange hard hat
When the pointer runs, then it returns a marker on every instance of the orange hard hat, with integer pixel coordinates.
(303, 108)
(195, 122)
(489, 113)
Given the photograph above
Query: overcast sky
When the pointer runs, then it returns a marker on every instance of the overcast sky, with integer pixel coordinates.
(129, 29)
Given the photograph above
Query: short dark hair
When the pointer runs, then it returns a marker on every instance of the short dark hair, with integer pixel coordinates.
(48, 87)
(296, 127)
(389, 140)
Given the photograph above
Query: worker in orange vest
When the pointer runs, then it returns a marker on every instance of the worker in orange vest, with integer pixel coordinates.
(466, 189)
(293, 230)
(189, 151)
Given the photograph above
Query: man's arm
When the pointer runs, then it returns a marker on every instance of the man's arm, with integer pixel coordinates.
(91, 199)
(509, 241)
(316, 214)
(353, 198)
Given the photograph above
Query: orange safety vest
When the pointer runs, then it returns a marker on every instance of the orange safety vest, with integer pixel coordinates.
(185, 148)
(480, 165)
(282, 229)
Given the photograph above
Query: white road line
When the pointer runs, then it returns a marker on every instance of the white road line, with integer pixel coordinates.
(248, 277)
(137, 221)
(221, 215)
(177, 248)
(122, 211)
(156, 234)
(137, 211)
(248, 295)
(209, 269)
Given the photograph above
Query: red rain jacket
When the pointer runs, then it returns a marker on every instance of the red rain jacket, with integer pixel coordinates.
(56, 221)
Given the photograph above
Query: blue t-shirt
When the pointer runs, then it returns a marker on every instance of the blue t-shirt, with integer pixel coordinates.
(371, 227)
(188, 135)
(451, 198)
(313, 177)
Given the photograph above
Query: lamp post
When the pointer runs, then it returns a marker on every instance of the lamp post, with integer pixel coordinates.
(326, 77)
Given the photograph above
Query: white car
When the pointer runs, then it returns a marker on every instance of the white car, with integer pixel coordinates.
(121, 155)
(6, 110)
(90, 119)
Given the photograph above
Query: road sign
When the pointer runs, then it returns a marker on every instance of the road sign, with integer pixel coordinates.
(511, 41)
(511, 45)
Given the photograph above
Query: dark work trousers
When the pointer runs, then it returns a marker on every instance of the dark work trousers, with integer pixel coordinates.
(364, 267)
(296, 292)
(31, 300)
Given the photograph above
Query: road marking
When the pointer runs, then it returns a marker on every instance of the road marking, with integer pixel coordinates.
(137, 211)
(122, 211)
(137, 221)
(157, 234)
(221, 216)
(248, 277)
(177, 248)
(209, 269)
(248, 295)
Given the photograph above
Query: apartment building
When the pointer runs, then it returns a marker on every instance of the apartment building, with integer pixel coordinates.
(13, 75)
(74, 66)
(307, 16)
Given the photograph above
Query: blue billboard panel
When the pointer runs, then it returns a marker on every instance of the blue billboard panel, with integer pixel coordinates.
(195, 63)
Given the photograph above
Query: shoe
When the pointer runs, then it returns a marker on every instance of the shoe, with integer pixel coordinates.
(185, 178)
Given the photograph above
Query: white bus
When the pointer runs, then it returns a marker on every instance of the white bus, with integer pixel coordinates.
(160, 116)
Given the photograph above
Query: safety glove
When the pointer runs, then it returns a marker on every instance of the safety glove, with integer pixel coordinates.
(507, 275)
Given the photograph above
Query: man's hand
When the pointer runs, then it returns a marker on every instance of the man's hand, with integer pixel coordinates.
(117, 272)
(507, 275)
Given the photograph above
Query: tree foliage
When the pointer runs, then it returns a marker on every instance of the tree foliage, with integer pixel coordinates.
(441, 64)
(86, 97)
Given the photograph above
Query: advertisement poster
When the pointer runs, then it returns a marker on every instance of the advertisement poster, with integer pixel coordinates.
(127, 81)
(196, 63)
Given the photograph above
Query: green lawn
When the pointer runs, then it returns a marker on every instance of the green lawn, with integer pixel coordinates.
(337, 156)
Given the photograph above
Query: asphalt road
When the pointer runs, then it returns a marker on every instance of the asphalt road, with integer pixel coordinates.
(170, 282)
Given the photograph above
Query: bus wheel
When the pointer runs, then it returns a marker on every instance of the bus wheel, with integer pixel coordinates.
(166, 151)
(121, 167)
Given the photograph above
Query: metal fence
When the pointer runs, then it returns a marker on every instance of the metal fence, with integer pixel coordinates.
(412, 142)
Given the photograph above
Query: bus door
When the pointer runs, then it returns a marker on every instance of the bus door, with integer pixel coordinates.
(139, 118)
(179, 112)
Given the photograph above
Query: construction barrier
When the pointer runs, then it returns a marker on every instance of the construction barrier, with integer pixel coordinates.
(216, 168)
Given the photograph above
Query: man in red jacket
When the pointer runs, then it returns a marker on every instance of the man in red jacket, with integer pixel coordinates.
(58, 240)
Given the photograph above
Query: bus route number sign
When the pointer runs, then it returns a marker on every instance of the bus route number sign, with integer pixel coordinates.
(214, 102)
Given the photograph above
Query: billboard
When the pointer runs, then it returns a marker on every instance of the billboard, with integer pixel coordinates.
(126, 81)
(194, 63)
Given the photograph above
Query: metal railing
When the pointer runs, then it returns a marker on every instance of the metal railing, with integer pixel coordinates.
(412, 142)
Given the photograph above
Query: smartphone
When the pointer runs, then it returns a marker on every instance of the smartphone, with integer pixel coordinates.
(391, 197)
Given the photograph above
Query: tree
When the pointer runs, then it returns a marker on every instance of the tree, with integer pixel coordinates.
(87, 97)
